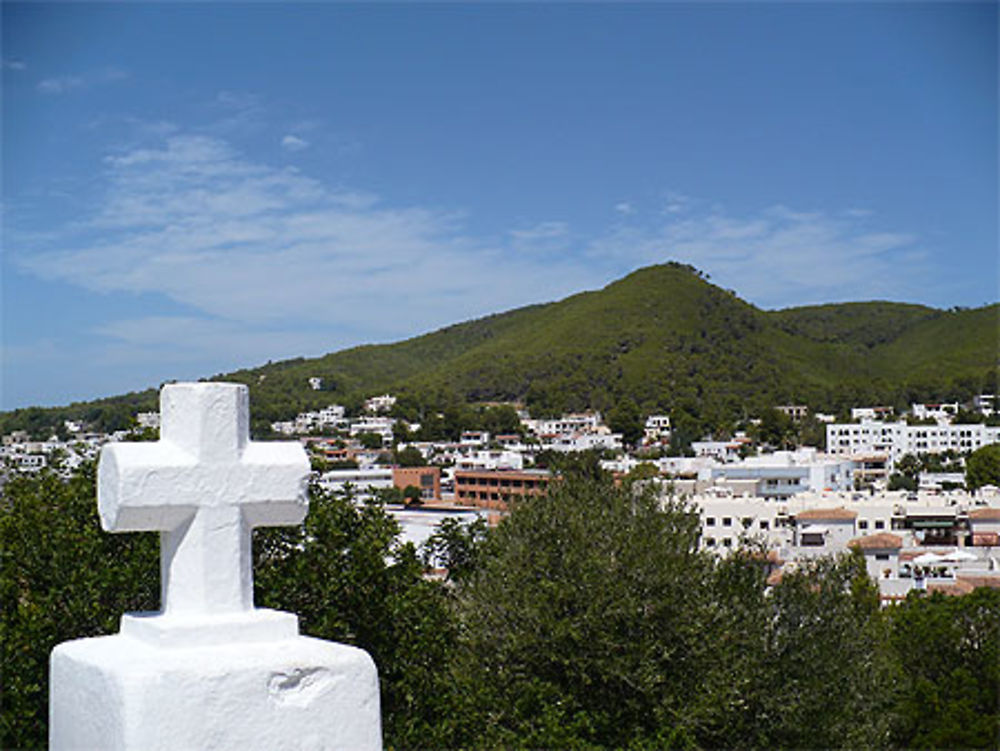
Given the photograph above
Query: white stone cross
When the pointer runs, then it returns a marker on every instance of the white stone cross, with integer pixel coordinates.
(204, 486)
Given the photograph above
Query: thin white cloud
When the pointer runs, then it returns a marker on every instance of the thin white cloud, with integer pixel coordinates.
(194, 220)
(294, 143)
(60, 84)
(70, 83)
(14, 64)
(542, 231)
(625, 208)
(676, 203)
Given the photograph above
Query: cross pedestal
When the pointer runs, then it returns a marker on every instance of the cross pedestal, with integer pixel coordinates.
(208, 670)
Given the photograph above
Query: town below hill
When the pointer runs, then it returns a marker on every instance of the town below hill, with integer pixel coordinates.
(915, 493)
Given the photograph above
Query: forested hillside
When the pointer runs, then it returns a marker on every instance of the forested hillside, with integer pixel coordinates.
(663, 336)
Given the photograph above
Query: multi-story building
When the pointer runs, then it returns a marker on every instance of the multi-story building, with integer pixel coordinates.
(428, 479)
(365, 482)
(380, 426)
(786, 473)
(494, 489)
(896, 439)
(794, 411)
(656, 429)
(581, 422)
(490, 459)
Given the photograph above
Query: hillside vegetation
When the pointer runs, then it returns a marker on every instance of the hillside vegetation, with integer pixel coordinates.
(662, 336)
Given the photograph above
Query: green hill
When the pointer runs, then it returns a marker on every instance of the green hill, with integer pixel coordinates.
(662, 336)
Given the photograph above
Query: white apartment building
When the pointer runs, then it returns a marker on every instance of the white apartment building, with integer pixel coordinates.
(580, 422)
(332, 415)
(474, 438)
(382, 403)
(723, 451)
(584, 442)
(656, 429)
(871, 413)
(364, 481)
(381, 426)
(896, 439)
(787, 473)
(938, 412)
(794, 411)
(492, 459)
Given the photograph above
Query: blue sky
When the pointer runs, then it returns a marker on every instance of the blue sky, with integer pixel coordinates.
(192, 188)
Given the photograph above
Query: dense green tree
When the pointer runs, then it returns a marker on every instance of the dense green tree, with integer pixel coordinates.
(412, 495)
(625, 418)
(776, 429)
(581, 626)
(61, 578)
(950, 652)
(899, 481)
(500, 419)
(409, 457)
(457, 547)
(370, 440)
(983, 467)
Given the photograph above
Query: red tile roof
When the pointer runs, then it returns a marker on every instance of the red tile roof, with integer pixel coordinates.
(880, 541)
(985, 514)
(827, 514)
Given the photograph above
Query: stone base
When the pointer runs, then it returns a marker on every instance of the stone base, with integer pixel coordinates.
(124, 692)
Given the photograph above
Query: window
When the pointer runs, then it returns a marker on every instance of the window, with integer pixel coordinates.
(863, 524)
(812, 539)
(709, 521)
(764, 524)
(879, 524)
(710, 542)
(881, 556)
(727, 542)
(727, 521)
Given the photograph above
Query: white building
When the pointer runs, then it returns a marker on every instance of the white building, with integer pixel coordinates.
(149, 420)
(794, 411)
(786, 473)
(380, 426)
(580, 422)
(896, 439)
(657, 429)
(822, 531)
(584, 442)
(493, 459)
(985, 404)
(474, 438)
(871, 413)
(881, 552)
(331, 416)
(937, 412)
(315, 383)
(723, 451)
(382, 403)
(365, 482)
